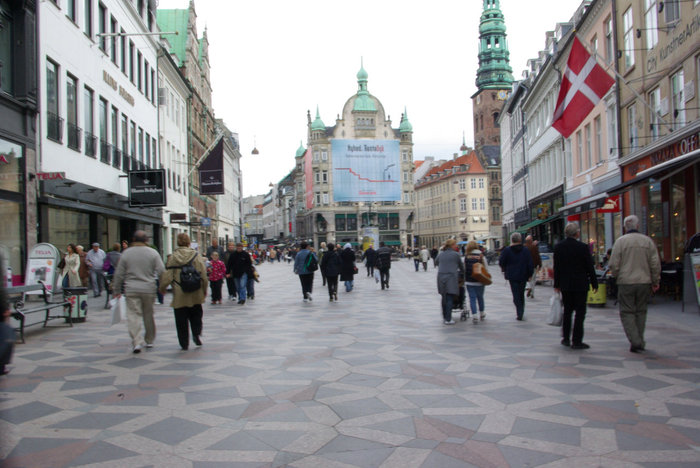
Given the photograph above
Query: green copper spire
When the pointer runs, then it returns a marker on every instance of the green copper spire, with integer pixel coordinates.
(494, 69)
(363, 101)
(318, 123)
(301, 150)
(405, 124)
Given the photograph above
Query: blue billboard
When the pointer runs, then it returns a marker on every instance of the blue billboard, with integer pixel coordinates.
(366, 170)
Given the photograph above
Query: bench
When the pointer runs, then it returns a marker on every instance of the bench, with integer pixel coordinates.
(16, 296)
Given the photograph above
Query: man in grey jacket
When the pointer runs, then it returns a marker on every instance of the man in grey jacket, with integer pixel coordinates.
(635, 265)
(137, 271)
(450, 269)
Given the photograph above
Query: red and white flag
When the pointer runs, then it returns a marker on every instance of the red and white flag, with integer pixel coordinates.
(583, 85)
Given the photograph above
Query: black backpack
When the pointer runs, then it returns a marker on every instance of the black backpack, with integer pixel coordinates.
(311, 262)
(190, 279)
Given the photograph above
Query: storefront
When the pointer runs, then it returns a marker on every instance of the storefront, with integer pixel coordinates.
(12, 208)
(661, 187)
(548, 226)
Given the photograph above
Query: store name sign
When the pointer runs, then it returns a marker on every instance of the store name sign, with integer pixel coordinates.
(51, 175)
(117, 87)
(679, 148)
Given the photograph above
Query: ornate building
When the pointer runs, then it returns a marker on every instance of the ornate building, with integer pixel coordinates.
(494, 80)
(356, 176)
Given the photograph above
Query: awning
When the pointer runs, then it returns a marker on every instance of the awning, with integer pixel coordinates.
(673, 166)
(537, 222)
(584, 205)
(392, 242)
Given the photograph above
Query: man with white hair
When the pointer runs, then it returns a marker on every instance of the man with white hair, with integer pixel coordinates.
(573, 272)
(635, 264)
(516, 264)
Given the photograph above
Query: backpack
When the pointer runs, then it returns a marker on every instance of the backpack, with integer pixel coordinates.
(311, 263)
(190, 279)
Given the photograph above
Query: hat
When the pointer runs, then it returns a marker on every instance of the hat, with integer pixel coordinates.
(95, 244)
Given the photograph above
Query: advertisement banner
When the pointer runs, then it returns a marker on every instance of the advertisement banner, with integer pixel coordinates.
(370, 236)
(366, 170)
(42, 264)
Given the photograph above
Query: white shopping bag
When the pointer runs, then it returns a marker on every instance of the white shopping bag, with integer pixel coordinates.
(556, 310)
(376, 275)
(118, 307)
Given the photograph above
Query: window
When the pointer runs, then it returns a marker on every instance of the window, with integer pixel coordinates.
(609, 53)
(153, 85)
(141, 160)
(611, 117)
(495, 213)
(70, 10)
(324, 155)
(462, 184)
(139, 64)
(72, 112)
(122, 39)
(462, 205)
(472, 183)
(115, 137)
(6, 49)
(132, 140)
(672, 9)
(154, 153)
(678, 111)
(405, 176)
(589, 156)
(145, 78)
(89, 120)
(317, 177)
(104, 145)
(579, 151)
(54, 122)
(482, 203)
(628, 37)
(102, 26)
(481, 182)
(131, 61)
(632, 126)
(655, 111)
(404, 155)
(598, 126)
(147, 143)
(325, 198)
(324, 177)
(650, 23)
(125, 136)
(87, 26)
(473, 204)
(114, 40)
(406, 197)
(318, 198)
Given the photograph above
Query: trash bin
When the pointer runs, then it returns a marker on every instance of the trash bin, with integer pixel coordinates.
(78, 298)
(600, 297)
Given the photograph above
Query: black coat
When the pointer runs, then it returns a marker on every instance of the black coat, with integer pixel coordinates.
(347, 267)
(331, 263)
(573, 266)
(238, 264)
(370, 257)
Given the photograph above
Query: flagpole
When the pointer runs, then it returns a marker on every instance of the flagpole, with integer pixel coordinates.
(206, 153)
(594, 53)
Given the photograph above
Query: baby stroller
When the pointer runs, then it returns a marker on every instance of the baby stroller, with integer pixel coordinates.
(461, 303)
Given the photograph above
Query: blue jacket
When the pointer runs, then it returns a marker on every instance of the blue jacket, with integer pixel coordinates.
(300, 262)
(516, 263)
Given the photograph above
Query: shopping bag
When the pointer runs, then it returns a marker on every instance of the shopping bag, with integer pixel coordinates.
(377, 275)
(481, 274)
(556, 310)
(118, 307)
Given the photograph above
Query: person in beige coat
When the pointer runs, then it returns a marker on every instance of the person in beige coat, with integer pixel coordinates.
(187, 306)
(71, 270)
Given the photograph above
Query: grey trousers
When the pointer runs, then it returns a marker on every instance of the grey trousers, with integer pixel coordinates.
(139, 309)
(633, 300)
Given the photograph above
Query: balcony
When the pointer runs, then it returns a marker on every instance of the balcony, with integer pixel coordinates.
(90, 144)
(116, 157)
(105, 151)
(74, 136)
(54, 127)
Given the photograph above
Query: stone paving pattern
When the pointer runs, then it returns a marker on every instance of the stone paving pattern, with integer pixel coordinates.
(374, 380)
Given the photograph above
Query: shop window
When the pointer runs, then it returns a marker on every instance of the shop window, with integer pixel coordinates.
(677, 215)
(11, 167)
(12, 244)
(68, 226)
(655, 216)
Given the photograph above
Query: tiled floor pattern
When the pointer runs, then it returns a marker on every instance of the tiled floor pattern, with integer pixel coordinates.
(375, 380)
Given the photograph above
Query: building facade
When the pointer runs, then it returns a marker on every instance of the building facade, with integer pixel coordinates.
(99, 119)
(452, 202)
(325, 211)
(253, 232)
(659, 126)
(228, 205)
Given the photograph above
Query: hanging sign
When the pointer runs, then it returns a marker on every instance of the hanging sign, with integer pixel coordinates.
(147, 188)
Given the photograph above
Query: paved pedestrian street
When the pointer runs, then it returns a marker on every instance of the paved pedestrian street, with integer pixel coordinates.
(374, 380)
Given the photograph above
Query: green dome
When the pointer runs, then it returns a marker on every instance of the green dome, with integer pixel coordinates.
(363, 102)
(318, 123)
(405, 126)
(362, 74)
(301, 150)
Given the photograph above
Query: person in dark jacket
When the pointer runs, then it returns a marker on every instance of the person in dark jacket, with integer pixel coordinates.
(230, 282)
(516, 264)
(383, 263)
(370, 259)
(347, 269)
(238, 267)
(7, 334)
(573, 272)
(330, 267)
(306, 277)
(531, 245)
(433, 254)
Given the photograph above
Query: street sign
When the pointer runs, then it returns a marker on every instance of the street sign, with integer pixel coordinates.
(205, 221)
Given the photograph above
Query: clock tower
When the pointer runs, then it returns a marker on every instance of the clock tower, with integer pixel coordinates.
(494, 81)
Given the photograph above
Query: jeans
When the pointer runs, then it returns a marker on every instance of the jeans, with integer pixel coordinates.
(307, 283)
(384, 277)
(573, 301)
(416, 262)
(183, 316)
(476, 294)
(518, 290)
(447, 301)
(349, 285)
(250, 287)
(241, 284)
(96, 279)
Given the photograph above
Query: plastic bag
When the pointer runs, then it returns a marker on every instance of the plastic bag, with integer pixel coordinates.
(377, 275)
(118, 307)
(556, 310)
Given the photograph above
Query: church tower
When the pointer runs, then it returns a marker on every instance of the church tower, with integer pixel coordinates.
(494, 80)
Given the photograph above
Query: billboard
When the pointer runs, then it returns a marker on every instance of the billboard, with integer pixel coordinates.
(366, 170)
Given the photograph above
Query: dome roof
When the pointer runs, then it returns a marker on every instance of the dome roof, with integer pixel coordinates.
(318, 123)
(301, 150)
(405, 124)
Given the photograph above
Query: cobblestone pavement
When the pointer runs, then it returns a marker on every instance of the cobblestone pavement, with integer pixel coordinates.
(374, 380)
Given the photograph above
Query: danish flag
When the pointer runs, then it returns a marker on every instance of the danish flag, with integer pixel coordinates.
(583, 85)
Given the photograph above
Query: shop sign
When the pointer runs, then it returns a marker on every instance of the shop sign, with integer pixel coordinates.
(611, 205)
(678, 148)
(543, 211)
(51, 175)
(107, 78)
(178, 217)
(147, 188)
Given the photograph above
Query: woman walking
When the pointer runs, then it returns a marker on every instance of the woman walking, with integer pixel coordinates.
(217, 272)
(187, 306)
(330, 268)
(348, 268)
(71, 270)
(474, 287)
(450, 268)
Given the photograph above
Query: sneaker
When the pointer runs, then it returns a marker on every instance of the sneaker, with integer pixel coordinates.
(306, 300)
(475, 320)
(330, 299)
(449, 322)
(149, 345)
(309, 296)
(482, 316)
(463, 317)
(137, 349)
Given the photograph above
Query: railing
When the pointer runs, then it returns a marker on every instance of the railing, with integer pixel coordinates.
(74, 136)
(90, 144)
(105, 148)
(116, 157)
(54, 127)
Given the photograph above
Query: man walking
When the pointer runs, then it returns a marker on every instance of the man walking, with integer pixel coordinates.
(95, 260)
(536, 263)
(573, 272)
(636, 267)
(230, 282)
(215, 247)
(301, 268)
(384, 264)
(370, 258)
(238, 267)
(136, 273)
(516, 264)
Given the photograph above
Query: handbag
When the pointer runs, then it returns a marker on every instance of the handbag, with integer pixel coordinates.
(354, 270)
(556, 310)
(481, 274)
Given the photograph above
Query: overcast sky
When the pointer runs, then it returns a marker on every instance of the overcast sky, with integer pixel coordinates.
(272, 60)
